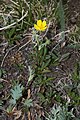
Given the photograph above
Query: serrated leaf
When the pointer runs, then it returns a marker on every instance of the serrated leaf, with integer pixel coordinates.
(13, 101)
(16, 93)
(28, 103)
(74, 46)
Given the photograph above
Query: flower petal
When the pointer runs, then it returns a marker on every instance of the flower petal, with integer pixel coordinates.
(39, 23)
(44, 28)
(44, 23)
(36, 27)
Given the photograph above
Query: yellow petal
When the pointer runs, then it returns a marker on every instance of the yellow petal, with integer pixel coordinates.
(44, 23)
(44, 28)
(39, 23)
(36, 27)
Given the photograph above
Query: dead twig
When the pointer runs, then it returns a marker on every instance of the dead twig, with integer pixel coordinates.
(59, 34)
(24, 45)
(7, 54)
(3, 80)
(8, 26)
(4, 44)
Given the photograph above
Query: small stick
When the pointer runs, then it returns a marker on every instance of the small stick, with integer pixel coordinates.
(3, 80)
(8, 26)
(4, 44)
(7, 54)
(24, 45)
(67, 31)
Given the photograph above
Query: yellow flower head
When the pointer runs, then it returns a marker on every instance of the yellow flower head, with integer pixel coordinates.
(41, 25)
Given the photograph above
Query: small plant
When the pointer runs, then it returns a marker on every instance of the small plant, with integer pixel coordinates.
(16, 93)
(39, 54)
(73, 92)
(2, 72)
(28, 103)
(1, 102)
(60, 113)
(20, 66)
(76, 73)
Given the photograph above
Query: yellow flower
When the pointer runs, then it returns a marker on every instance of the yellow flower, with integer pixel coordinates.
(41, 25)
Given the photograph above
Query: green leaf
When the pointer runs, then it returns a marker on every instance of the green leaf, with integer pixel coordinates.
(28, 103)
(1, 102)
(60, 113)
(1, 85)
(44, 44)
(64, 57)
(13, 101)
(76, 73)
(61, 18)
(61, 15)
(78, 88)
(31, 74)
(41, 97)
(74, 46)
(2, 72)
(16, 93)
(46, 64)
(9, 109)
(11, 32)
